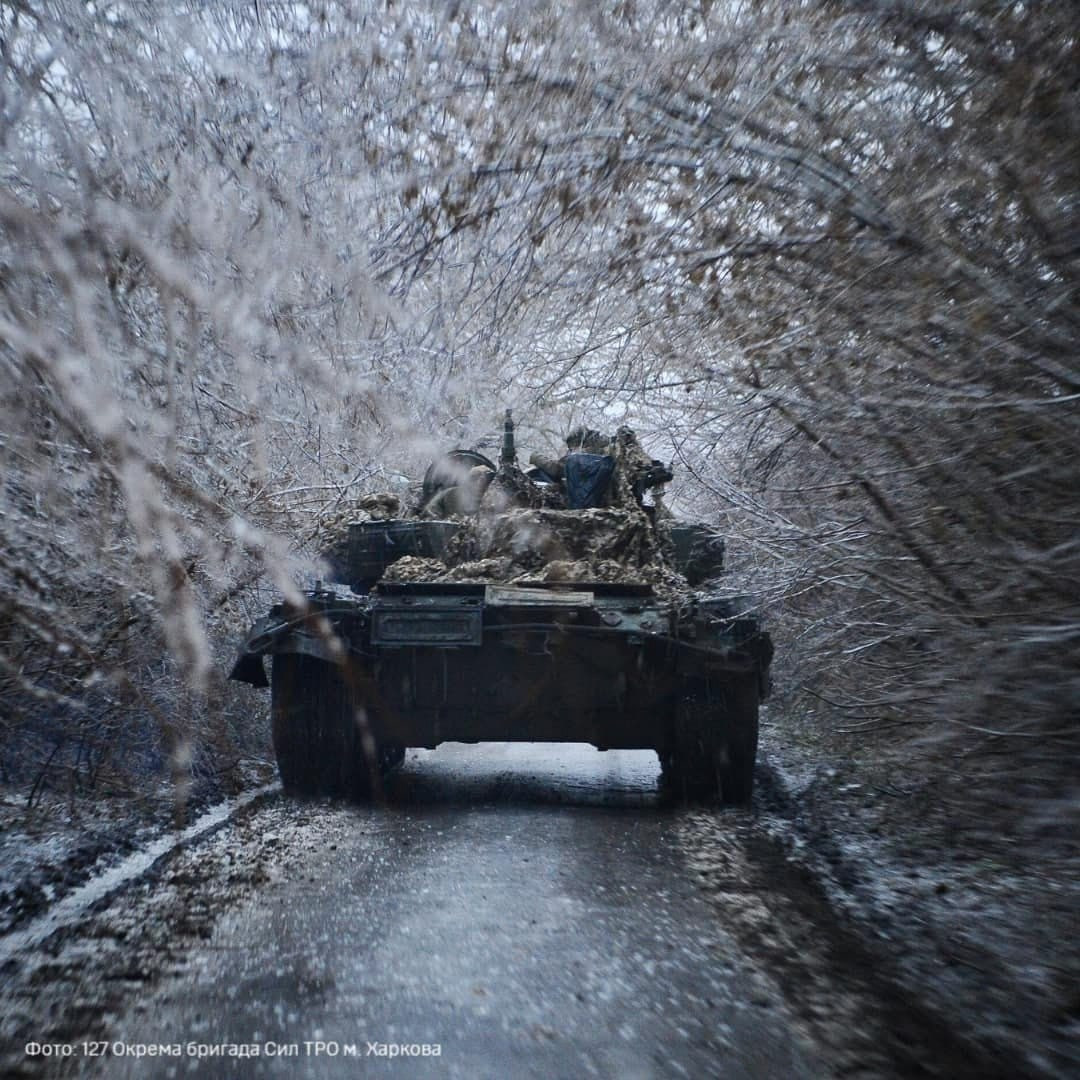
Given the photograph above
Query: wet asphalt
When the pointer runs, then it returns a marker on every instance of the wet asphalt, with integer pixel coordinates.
(524, 909)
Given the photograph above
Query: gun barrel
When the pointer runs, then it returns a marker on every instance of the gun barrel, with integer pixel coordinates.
(509, 454)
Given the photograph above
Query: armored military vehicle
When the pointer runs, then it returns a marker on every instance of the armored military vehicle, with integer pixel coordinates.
(551, 604)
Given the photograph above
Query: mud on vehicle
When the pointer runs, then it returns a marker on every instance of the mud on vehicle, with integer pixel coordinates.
(555, 604)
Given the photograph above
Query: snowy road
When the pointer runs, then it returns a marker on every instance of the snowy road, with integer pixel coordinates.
(508, 911)
(524, 909)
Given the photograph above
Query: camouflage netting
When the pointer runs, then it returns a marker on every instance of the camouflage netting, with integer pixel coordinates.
(511, 534)
(527, 546)
(333, 527)
(380, 506)
(666, 583)
(542, 536)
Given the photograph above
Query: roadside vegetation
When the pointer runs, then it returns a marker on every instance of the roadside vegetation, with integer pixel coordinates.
(259, 259)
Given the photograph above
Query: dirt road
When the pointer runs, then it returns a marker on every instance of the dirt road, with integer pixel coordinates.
(508, 911)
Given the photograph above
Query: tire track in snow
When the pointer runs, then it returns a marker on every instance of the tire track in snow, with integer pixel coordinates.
(75, 905)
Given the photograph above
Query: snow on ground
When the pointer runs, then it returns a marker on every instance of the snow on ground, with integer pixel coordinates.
(983, 931)
(51, 847)
(105, 881)
(979, 939)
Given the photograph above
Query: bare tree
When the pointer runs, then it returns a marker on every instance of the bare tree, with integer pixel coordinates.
(255, 259)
